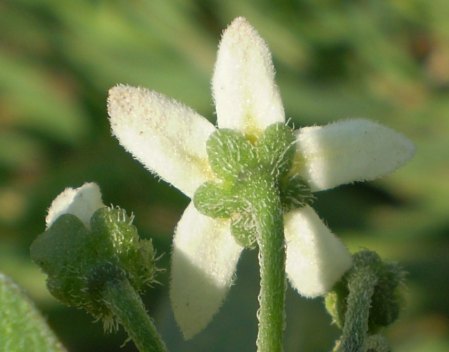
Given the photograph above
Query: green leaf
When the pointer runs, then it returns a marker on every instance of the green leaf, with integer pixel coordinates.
(22, 328)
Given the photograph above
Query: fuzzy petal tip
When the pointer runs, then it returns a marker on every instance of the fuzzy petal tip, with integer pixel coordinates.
(166, 136)
(81, 202)
(348, 151)
(245, 93)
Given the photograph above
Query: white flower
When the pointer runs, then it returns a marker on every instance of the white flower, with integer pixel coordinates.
(170, 140)
(81, 202)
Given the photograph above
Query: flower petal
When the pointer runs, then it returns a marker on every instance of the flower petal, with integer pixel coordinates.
(204, 260)
(245, 94)
(316, 259)
(348, 151)
(81, 202)
(167, 137)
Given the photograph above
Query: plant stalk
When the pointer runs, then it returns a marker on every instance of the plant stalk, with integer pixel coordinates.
(267, 211)
(361, 288)
(126, 305)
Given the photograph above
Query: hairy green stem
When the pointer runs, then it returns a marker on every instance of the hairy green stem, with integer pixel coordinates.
(361, 288)
(125, 303)
(267, 212)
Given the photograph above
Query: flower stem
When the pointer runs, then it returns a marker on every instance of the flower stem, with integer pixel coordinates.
(267, 211)
(361, 288)
(126, 305)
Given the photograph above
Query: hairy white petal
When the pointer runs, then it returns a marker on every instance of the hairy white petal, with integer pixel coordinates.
(81, 202)
(316, 259)
(348, 151)
(167, 137)
(245, 94)
(204, 260)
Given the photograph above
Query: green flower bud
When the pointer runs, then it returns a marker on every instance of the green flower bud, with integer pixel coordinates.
(81, 258)
(377, 343)
(386, 299)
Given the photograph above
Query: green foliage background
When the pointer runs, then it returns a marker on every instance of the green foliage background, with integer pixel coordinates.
(380, 59)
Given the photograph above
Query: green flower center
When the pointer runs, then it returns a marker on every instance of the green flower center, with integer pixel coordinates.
(240, 165)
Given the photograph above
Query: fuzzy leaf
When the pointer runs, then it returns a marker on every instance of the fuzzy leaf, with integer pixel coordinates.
(22, 328)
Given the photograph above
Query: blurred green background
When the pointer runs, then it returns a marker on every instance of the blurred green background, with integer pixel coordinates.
(380, 59)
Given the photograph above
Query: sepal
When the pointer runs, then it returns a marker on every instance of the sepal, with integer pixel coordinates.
(295, 193)
(231, 155)
(244, 230)
(276, 149)
(216, 200)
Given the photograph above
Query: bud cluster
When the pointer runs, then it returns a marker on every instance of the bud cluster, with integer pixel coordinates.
(80, 260)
